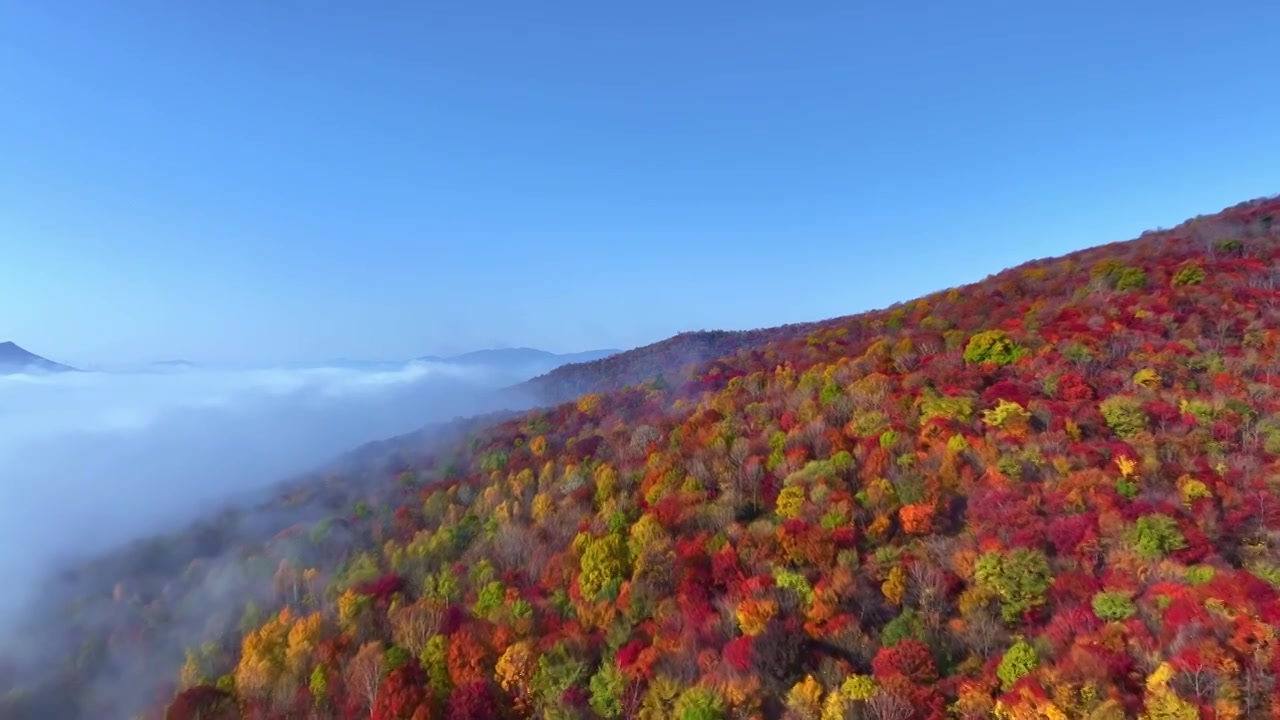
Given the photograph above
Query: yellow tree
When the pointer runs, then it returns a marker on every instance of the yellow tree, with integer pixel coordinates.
(1162, 701)
(514, 672)
(805, 699)
(303, 637)
(895, 586)
(351, 611)
(753, 615)
(262, 657)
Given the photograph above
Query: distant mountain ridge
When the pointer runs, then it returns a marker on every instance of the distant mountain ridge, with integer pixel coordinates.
(16, 359)
(513, 356)
(530, 360)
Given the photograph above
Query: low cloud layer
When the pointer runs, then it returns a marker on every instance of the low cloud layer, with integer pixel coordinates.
(91, 460)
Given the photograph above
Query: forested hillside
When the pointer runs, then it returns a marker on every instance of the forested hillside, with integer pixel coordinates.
(1050, 494)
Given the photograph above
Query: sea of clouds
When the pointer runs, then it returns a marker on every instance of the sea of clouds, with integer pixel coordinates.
(89, 460)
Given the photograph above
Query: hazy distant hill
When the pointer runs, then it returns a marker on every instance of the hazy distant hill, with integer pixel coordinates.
(521, 361)
(520, 357)
(15, 359)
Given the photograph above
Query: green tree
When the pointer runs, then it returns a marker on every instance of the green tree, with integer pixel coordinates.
(557, 671)
(1019, 578)
(1018, 662)
(992, 346)
(1131, 278)
(319, 685)
(489, 599)
(434, 662)
(1189, 275)
(1200, 574)
(946, 407)
(396, 657)
(607, 686)
(1119, 276)
(1124, 415)
(791, 580)
(493, 461)
(700, 703)
(1154, 536)
(604, 561)
(907, 626)
(1113, 606)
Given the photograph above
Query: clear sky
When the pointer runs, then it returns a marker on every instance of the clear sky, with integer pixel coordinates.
(248, 181)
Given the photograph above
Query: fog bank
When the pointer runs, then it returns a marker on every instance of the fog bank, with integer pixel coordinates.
(91, 460)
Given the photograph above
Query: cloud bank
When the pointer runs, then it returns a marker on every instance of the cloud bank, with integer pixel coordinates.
(91, 460)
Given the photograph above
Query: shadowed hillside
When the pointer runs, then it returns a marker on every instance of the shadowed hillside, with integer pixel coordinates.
(1048, 494)
(673, 356)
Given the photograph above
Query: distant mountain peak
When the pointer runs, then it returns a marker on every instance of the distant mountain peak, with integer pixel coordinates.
(14, 359)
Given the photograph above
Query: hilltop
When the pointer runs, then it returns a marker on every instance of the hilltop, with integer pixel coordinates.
(1049, 494)
(15, 359)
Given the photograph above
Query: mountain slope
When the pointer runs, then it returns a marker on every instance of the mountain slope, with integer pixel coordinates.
(1048, 494)
(14, 359)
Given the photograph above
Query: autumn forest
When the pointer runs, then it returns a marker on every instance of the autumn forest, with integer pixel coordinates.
(1051, 494)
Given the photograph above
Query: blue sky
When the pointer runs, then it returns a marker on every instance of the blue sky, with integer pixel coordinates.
(241, 181)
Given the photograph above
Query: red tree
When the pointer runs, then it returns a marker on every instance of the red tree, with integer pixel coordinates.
(909, 659)
(203, 702)
(402, 694)
(472, 701)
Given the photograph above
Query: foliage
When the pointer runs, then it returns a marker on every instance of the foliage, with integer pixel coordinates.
(1154, 536)
(1162, 702)
(1124, 415)
(1118, 276)
(604, 561)
(1007, 415)
(1019, 578)
(1189, 275)
(908, 625)
(1018, 661)
(1113, 606)
(947, 408)
(992, 346)
(607, 687)
(699, 703)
